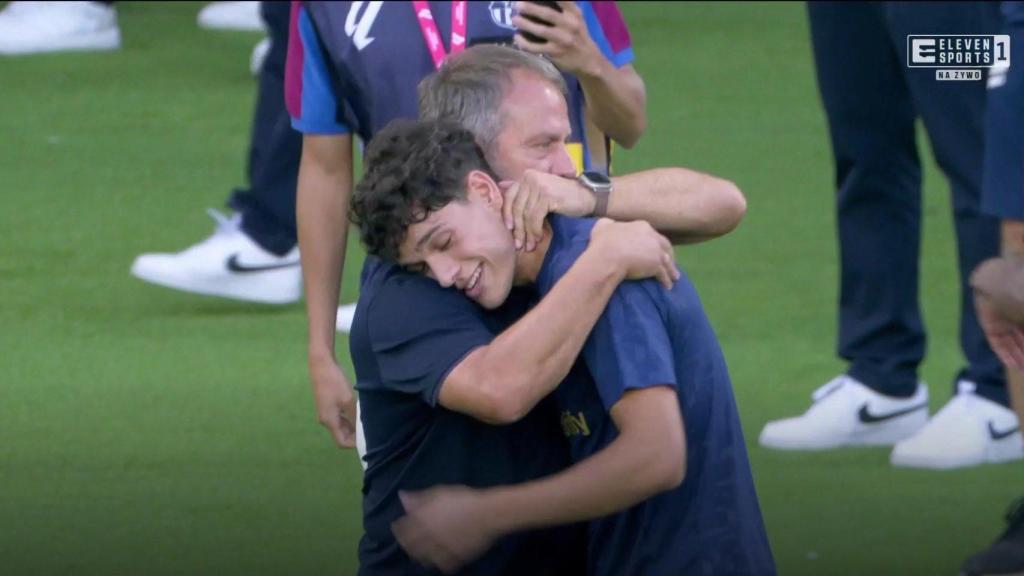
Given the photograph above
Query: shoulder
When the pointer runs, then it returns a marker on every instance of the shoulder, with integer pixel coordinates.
(401, 306)
(569, 238)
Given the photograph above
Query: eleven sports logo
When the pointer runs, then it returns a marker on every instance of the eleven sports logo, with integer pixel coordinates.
(959, 56)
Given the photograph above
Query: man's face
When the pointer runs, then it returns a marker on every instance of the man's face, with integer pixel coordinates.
(534, 129)
(466, 244)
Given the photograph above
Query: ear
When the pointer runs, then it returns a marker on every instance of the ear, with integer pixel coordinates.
(480, 186)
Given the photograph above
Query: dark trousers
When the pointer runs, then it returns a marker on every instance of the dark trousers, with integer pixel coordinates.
(872, 100)
(267, 206)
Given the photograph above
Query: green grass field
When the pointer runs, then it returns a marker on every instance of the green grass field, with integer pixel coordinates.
(144, 431)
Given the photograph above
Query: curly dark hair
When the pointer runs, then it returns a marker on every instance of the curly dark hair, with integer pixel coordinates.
(411, 168)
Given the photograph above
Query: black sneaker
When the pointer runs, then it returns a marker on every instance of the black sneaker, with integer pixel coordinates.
(1006, 555)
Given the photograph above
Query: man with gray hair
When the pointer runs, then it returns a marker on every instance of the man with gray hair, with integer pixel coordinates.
(432, 368)
(491, 90)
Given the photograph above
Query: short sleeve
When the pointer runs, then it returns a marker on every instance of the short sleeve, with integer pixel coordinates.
(309, 93)
(608, 29)
(629, 347)
(420, 332)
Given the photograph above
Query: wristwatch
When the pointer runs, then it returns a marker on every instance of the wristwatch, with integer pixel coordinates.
(601, 187)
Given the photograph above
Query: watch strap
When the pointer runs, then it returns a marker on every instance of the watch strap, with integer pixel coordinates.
(600, 202)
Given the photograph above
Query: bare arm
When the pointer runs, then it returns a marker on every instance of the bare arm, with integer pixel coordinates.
(616, 101)
(616, 97)
(647, 457)
(449, 526)
(685, 205)
(502, 381)
(324, 188)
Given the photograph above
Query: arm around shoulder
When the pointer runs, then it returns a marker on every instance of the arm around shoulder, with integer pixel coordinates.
(685, 205)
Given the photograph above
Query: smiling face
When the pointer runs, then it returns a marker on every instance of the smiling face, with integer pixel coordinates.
(428, 200)
(465, 244)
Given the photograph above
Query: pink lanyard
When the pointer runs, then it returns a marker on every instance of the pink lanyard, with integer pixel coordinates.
(433, 38)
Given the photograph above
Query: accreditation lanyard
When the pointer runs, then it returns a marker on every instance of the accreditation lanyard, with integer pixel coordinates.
(433, 38)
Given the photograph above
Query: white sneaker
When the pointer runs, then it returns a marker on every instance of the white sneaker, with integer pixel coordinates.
(968, 431)
(227, 264)
(848, 413)
(345, 315)
(241, 16)
(37, 27)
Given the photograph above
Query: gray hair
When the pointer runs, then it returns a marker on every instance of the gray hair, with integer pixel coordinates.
(470, 86)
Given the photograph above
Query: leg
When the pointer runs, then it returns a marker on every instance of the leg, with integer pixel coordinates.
(252, 256)
(268, 205)
(871, 122)
(975, 427)
(953, 114)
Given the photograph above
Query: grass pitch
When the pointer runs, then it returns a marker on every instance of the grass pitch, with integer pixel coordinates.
(145, 431)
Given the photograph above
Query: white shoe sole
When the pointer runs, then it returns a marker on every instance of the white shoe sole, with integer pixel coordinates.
(888, 434)
(996, 452)
(241, 287)
(95, 42)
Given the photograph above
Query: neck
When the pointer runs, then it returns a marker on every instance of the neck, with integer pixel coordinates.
(528, 264)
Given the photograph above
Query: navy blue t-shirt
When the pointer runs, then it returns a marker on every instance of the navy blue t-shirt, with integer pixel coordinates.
(407, 335)
(648, 336)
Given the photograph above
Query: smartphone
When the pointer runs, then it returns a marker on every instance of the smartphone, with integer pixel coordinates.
(533, 37)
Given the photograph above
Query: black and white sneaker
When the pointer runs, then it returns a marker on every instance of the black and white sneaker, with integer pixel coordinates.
(227, 264)
(845, 412)
(970, 430)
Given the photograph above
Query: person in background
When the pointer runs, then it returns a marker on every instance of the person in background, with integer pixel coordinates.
(872, 100)
(252, 255)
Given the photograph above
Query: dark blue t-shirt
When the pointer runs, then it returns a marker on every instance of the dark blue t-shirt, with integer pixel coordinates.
(407, 335)
(648, 336)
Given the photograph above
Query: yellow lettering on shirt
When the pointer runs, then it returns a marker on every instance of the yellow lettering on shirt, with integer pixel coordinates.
(574, 425)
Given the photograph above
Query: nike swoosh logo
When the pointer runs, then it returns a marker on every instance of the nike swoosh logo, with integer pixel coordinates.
(999, 435)
(235, 266)
(868, 418)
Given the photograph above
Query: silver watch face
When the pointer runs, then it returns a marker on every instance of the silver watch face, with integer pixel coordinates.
(596, 180)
